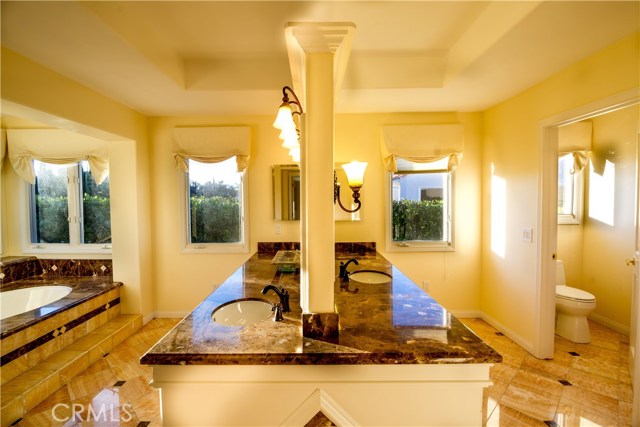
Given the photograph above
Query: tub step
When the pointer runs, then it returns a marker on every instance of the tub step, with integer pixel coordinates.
(31, 387)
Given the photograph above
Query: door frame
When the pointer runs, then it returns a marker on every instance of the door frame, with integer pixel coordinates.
(547, 218)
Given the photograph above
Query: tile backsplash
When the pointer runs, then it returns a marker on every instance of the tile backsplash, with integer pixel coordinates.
(17, 268)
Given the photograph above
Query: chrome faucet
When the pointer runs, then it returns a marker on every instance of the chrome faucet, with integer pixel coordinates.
(344, 273)
(282, 293)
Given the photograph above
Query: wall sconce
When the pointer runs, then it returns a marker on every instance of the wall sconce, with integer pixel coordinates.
(290, 135)
(289, 132)
(355, 177)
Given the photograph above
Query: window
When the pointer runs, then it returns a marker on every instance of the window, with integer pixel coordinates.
(421, 207)
(215, 214)
(68, 210)
(570, 190)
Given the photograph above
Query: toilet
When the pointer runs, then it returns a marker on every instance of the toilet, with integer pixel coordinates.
(572, 307)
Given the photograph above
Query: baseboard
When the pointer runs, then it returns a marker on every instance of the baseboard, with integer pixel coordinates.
(513, 336)
(170, 314)
(611, 324)
(466, 314)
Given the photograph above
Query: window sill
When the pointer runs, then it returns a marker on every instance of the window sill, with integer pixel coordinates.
(213, 248)
(68, 251)
(419, 247)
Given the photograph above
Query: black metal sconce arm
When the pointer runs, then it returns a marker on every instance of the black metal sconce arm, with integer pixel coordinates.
(336, 196)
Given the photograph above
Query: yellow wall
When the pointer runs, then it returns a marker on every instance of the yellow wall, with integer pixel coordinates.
(593, 251)
(511, 145)
(39, 94)
(184, 279)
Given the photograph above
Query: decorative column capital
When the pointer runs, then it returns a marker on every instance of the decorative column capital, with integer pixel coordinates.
(304, 38)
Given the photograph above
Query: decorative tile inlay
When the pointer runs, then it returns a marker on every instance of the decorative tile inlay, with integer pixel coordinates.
(551, 423)
(573, 353)
(18, 268)
(119, 383)
(500, 334)
(564, 382)
(12, 355)
(143, 423)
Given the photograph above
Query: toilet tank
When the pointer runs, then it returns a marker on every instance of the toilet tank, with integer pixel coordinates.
(560, 278)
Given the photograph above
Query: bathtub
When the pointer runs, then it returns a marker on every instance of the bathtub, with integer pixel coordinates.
(22, 300)
(67, 310)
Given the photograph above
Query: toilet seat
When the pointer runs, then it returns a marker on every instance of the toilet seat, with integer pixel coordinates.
(573, 294)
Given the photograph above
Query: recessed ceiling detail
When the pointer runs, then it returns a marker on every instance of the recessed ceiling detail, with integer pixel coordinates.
(178, 58)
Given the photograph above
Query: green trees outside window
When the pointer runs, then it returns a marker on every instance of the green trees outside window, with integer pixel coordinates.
(215, 208)
(68, 207)
(215, 212)
(417, 220)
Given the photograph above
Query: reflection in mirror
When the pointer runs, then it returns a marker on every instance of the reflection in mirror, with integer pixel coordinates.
(286, 192)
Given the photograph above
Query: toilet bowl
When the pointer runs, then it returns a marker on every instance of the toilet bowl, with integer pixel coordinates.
(572, 307)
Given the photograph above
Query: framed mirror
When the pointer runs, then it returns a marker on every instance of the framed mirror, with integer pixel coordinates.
(286, 194)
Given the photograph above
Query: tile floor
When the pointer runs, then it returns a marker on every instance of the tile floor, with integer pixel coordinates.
(584, 385)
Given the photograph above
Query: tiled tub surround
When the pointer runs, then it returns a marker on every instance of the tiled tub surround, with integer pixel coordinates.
(45, 348)
(31, 337)
(417, 362)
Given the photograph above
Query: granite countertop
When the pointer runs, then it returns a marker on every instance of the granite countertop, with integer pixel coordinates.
(392, 323)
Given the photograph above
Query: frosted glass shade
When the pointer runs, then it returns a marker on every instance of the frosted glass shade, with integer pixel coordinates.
(295, 154)
(355, 173)
(289, 138)
(284, 119)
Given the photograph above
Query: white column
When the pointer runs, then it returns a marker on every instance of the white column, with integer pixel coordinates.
(317, 170)
(318, 53)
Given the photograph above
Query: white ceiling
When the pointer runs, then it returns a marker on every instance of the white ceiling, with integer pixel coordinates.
(212, 57)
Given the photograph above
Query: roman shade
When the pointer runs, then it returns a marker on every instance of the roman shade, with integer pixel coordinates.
(422, 144)
(212, 145)
(576, 139)
(58, 147)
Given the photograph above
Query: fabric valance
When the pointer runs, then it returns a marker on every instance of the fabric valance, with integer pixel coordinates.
(422, 144)
(212, 145)
(576, 139)
(55, 146)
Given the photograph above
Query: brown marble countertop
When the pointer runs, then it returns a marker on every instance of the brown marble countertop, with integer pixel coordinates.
(392, 323)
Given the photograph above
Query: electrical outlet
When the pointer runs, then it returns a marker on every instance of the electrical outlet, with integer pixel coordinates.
(276, 228)
(425, 285)
(527, 235)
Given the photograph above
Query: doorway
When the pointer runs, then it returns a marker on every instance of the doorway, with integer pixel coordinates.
(548, 221)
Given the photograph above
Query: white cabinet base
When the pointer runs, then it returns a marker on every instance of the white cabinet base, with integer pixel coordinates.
(290, 395)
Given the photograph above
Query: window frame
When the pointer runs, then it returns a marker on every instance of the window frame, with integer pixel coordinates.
(575, 217)
(74, 206)
(447, 245)
(233, 247)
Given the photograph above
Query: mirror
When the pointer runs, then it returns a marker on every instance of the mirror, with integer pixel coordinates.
(286, 194)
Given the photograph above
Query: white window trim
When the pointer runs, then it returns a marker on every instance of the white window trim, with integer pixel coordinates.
(422, 246)
(67, 249)
(213, 248)
(578, 201)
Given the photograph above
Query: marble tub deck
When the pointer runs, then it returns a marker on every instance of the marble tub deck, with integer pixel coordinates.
(83, 288)
(393, 323)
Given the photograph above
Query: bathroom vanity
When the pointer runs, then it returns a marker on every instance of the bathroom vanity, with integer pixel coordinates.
(400, 359)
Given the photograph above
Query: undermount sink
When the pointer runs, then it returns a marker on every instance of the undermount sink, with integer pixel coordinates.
(242, 312)
(370, 276)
